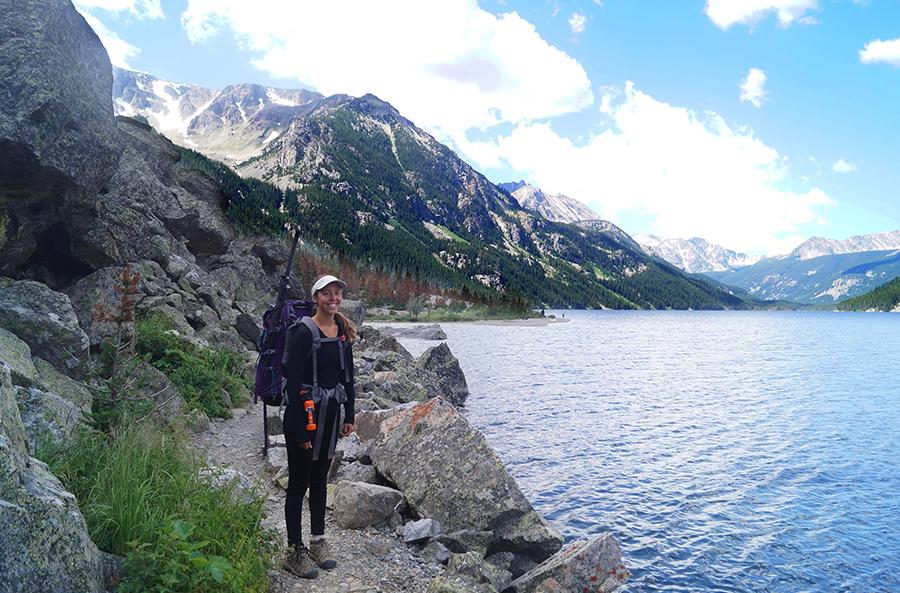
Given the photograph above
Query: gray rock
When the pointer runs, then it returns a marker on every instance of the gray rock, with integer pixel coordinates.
(368, 423)
(248, 326)
(152, 385)
(58, 140)
(46, 321)
(348, 447)
(595, 564)
(516, 564)
(467, 540)
(16, 354)
(358, 505)
(276, 459)
(436, 552)
(384, 366)
(355, 311)
(472, 568)
(423, 529)
(52, 381)
(194, 422)
(430, 331)
(149, 196)
(447, 471)
(374, 342)
(356, 472)
(441, 372)
(96, 289)
(240, 487)
(44, 542)
(47, 418)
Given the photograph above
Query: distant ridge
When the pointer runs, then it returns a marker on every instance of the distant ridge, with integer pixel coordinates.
(231, 125)
(817, 246)
(696, 256)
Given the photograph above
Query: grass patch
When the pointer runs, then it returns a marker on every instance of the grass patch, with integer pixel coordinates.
(134, 483)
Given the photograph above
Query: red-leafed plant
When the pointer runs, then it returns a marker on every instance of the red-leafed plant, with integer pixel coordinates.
(116, 386)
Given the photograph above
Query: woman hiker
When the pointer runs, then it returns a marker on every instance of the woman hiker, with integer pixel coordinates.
(325, 376)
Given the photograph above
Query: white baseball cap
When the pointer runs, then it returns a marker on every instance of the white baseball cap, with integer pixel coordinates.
(325, 281)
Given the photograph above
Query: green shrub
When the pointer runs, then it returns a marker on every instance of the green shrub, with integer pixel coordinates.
(200, 374)
(173, 564)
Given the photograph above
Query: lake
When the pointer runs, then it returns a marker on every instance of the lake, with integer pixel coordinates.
(726, 451)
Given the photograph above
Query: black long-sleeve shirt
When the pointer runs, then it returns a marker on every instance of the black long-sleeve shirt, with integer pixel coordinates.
(300, 372)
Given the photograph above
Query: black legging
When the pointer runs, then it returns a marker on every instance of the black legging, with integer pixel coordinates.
(305, 474)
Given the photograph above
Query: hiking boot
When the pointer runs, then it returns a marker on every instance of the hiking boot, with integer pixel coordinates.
(321, 553)
(299, 563)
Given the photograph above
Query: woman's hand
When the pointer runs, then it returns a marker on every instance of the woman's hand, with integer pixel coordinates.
(306, 445)
(348, 428)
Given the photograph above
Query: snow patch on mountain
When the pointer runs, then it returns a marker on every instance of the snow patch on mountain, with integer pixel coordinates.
(695, 255)
(275, 98)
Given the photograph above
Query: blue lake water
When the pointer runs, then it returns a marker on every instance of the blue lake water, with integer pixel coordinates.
(726, 451)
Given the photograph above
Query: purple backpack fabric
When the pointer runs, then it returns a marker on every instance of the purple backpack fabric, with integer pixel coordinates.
(272, 343)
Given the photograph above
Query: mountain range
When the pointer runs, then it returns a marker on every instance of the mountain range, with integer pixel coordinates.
(358, 164)
(819, 271)
(367, 183)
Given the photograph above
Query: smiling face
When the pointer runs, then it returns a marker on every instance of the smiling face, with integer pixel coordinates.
(328, 299)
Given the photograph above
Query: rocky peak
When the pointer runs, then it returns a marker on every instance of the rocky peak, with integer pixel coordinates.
(817, 246)
(556, 207)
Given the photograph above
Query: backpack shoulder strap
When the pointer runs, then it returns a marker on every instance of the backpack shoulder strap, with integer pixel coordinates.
(316, 344)
(314, 330)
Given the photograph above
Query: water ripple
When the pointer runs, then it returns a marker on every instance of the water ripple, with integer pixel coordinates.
(726, 451)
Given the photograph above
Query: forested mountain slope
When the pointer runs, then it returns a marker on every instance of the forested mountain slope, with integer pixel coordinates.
(365, 181)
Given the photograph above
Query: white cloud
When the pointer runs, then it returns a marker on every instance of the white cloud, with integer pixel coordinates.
(842, 166)
(697, 176)
(725, 13)
(144, 9)
(753, 88)
(577, 23)
(448, 66)
(881, 51)
(118, 50)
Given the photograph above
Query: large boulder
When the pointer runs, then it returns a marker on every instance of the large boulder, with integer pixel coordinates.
(58, 141)
(149, 196)
(592, 565)
(425, 331)
(441, 374)
(44, 542)
(448, 472)
(387, 371)
(45, 320)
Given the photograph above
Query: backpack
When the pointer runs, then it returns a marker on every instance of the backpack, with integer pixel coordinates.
(278, 329)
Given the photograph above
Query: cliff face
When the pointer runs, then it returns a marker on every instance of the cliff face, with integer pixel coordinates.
(58, 140)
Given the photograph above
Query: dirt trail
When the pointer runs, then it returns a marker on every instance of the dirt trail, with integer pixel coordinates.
(368, 560)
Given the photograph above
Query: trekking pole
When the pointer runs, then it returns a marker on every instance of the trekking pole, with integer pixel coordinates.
(279, 305)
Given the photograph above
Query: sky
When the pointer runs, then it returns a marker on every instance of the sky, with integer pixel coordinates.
(753, 124)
